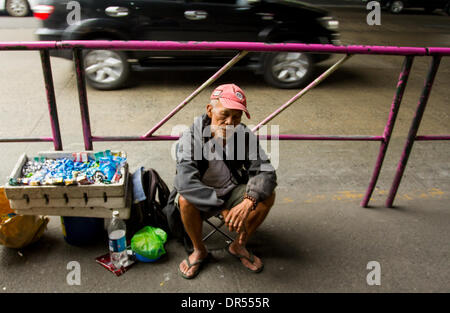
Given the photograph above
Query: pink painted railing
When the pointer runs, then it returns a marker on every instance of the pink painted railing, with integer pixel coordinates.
(244, 47)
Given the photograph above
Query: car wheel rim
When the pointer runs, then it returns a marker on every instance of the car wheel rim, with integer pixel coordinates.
(103, 66)
(19, 7)
(397, 6)
(290, 67)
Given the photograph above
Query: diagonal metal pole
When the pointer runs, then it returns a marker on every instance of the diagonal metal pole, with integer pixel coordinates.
(212, 79)
(317, 81)
(413, 129)
(216, 228)
(395, 106)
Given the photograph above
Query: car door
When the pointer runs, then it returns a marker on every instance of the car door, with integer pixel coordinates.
(192, 20)
(170, 20)
(229, 20)
(426, 3)
(157, 19)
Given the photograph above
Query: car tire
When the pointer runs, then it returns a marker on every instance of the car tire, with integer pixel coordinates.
(396, 7)
(288, 69)
(17, 8)
(106, 69)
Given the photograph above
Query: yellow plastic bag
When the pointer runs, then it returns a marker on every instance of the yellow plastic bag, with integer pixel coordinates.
(18, 231)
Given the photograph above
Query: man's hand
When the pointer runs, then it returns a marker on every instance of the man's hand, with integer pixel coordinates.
(238, 215)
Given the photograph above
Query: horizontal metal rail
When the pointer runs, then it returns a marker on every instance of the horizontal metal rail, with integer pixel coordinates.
(218, 45)
(242, 48)
(432, 137)
(30, 139)
(262, 137)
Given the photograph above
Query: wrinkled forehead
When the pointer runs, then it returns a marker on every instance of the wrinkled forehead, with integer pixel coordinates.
(218, 108)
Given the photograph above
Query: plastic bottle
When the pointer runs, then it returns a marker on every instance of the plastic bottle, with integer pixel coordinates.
(117, 241)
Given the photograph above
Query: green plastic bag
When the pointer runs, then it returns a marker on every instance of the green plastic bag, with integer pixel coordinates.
(149, 242)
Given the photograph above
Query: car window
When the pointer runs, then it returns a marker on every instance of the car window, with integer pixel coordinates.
(213, 1)
(227, 2)
(175, 1)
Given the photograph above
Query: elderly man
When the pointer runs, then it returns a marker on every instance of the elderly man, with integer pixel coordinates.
(221, 168)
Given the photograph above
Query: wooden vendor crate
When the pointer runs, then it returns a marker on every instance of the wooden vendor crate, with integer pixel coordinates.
(95, 200)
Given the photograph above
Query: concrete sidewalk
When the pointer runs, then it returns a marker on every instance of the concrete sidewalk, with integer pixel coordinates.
(316, 239)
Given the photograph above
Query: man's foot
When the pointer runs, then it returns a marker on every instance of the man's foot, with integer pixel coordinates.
(190, 267)
(250, 261)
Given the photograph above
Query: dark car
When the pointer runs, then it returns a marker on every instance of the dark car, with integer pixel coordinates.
(196, 20)
(397, 6)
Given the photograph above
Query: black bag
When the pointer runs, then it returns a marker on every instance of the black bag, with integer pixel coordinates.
(175, 224)
(148, 212)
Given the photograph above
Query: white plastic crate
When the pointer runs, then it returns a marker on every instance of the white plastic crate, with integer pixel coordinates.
(95, 200)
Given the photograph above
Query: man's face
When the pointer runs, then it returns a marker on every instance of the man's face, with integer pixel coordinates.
(222, 117)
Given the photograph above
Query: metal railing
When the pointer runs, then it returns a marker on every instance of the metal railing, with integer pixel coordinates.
(244, 47)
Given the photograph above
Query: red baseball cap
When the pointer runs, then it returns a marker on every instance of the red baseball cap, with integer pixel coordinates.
(231, 97)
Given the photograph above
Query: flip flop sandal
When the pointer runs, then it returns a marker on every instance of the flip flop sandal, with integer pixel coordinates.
(251, 259)
(201, 262)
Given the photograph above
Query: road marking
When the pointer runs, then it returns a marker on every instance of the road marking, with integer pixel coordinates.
(348, 195)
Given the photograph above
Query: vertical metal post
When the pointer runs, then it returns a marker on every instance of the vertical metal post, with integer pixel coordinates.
(51, 101)
(413, 129)
(82, 95)
(395, 106)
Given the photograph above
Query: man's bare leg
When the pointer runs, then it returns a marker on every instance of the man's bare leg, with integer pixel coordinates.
(254, 220)
(193, 223)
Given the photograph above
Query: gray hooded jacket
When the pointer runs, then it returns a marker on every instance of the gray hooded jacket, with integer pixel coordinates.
(247, 161)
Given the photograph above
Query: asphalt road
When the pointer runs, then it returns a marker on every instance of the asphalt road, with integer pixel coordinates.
(317, 238)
